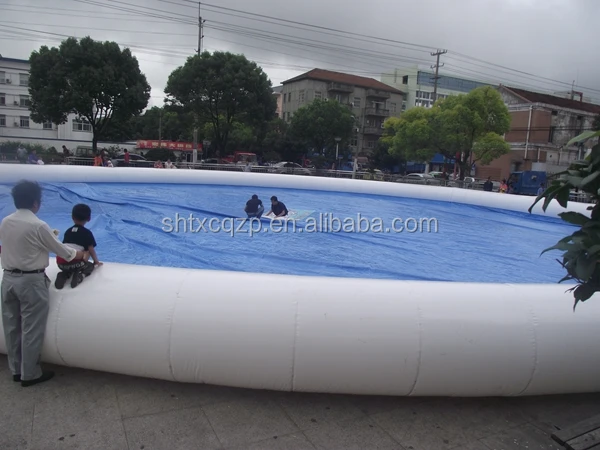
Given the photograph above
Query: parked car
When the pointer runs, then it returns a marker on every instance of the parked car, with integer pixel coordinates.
(134, 161)
(289, 168)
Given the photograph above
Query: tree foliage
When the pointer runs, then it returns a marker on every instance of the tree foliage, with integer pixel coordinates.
(471, 125)
(223, 89)
(317, 124)
(96, 81)
(582, 248)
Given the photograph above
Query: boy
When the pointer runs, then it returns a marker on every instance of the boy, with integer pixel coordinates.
(79, 238)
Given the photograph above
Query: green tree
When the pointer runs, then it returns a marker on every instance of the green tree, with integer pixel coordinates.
(222, 89)
(381, 158)
(317, 124)
(279, 144)
(471, 125)
(581, 250)
(96, 81)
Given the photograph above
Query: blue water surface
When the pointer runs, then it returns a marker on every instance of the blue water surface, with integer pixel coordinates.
(137, 224)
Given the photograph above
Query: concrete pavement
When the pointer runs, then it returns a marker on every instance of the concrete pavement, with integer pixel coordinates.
(81, 409)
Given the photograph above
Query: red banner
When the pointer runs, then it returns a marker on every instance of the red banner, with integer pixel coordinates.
(168, 145)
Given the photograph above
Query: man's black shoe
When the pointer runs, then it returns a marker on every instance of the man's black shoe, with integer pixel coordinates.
(16, 378)
(45, 377)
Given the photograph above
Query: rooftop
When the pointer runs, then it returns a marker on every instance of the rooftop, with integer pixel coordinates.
(561, 102)
(345, 78)
(14, 60)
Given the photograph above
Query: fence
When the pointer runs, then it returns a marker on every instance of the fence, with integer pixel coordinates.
(360, 175)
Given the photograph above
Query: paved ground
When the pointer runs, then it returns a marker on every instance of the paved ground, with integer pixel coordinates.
(88, 410)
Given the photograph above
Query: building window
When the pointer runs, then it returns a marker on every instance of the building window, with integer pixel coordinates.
(403, 105)
(301, 96)
(2, 98)
(370, 144)
(2, 120)
(357, 102)
(24, 101)
(318, 95)
(354, 142)
(81, 125)
(284, 97)
(47, 125)
(551, 136)
(24, 79)
(555, 113)
(24, 122)
(2, 77)
(393, 108)
(405, 79)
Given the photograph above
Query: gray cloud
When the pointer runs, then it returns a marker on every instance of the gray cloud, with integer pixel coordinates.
(554, 39)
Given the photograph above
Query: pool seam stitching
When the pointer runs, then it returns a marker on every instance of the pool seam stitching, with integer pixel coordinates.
(293, 386)
(534, 323)
(420, 321)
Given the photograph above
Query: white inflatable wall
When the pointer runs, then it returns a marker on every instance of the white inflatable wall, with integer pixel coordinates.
(317, 334)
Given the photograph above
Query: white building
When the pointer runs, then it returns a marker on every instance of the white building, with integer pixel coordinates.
(15, 121)
(419, 86)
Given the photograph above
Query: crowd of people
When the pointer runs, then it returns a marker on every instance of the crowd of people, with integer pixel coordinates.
(25, 246)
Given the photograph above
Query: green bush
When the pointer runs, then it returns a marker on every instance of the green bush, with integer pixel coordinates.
(582, 248)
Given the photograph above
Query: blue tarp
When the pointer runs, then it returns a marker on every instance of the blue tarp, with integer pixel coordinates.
(131, 223)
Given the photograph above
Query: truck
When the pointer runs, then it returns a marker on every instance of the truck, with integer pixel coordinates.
(526, 182)
(241, 158)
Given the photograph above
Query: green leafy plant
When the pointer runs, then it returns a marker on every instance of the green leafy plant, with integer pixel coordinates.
(582, 248)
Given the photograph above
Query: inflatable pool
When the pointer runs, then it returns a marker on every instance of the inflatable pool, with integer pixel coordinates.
(238, 318)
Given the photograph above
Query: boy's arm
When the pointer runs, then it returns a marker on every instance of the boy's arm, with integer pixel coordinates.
(94, 255)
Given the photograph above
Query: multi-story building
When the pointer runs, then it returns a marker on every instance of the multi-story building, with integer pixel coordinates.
(541, 126)
(278, 97)
(15, 121)
(371, 101)
(419, 86)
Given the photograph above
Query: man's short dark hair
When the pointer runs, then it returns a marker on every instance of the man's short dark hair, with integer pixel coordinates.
(255, 197)
(273, 198)
(26, 193)
(81, 212)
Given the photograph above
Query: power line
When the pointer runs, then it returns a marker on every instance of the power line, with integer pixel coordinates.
(279, 39)
(243, 12)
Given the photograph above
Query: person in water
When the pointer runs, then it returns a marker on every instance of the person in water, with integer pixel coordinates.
(277, 208)
(254, 207)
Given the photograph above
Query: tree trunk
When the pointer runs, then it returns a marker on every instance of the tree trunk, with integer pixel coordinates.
(94, 142)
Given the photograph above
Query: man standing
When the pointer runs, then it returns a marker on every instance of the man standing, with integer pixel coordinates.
(488, 185)
(26, 244)
(541, 189)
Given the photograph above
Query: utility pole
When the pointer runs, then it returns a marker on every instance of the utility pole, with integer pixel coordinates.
(436, 67)
(160, 129)
(200, 28)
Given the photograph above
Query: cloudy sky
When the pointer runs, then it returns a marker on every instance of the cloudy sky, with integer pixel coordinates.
(542, 45)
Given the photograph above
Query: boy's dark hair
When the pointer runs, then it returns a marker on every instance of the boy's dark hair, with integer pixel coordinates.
(255, 197)
(26, 193)
(81, 212)
(274, 198)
